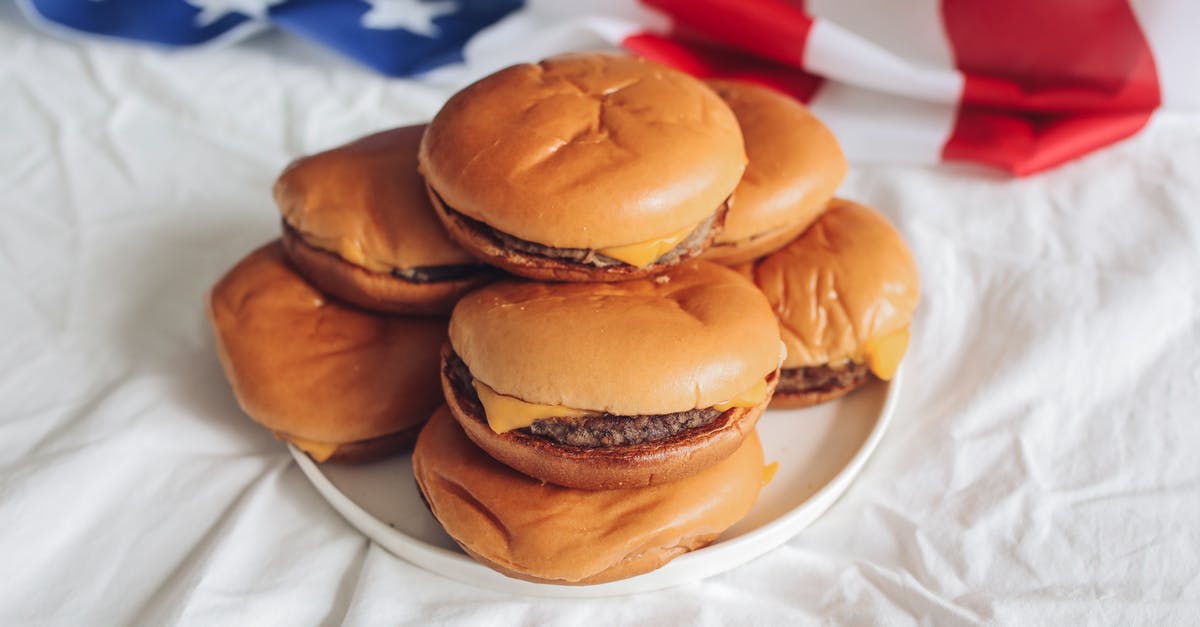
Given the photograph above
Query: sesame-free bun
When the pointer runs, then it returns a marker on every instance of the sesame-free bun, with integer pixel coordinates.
(363, 451)
(312, 369)
(355, 214)
(699, 335)
(584, 151)
(795, 166)
(737, 253)
(848, 279)
(539, 532)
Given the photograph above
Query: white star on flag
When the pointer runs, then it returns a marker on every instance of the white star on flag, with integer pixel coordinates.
(411, 15)
(213, 10)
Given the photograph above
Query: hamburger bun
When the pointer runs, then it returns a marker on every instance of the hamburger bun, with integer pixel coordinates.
(535, 531)
(583, 167)
(795, 166)
(336, 381)
(358, 224)
(845, 292)
(612, 385)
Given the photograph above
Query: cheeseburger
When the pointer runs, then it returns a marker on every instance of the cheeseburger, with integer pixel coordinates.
(845, 292)
(608, 385)
(795, 166)
(358, 224)
(540, 532)
(341, 384)
(586, 167)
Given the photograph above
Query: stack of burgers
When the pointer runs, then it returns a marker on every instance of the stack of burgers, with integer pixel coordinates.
(634, 265)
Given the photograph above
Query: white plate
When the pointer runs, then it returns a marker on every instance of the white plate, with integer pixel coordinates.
(820, 450)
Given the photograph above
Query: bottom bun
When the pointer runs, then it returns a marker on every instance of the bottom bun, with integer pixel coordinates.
(531, 530)
(366, 451)
(611, 467)
(313, 369)
(741, 251)
(375, 291)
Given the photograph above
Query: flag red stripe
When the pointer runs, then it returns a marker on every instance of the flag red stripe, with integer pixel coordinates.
(770, 29)
(1046, 81)
(706, 60)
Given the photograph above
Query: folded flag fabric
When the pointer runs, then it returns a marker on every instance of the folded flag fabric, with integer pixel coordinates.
(1022, 85)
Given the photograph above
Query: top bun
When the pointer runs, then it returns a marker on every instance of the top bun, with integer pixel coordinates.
(795, 166)
(313, 368)
(366, 203)
(585, 151)
(848, 279)
(698, 335)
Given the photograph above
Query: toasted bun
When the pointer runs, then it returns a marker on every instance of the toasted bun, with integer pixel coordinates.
(491, 250)
(371, 290)
(795, 166)
(696, 336)
(607, 468)
(307, 367)
(849, 278)
(539, 532)
(742, 251)
(364, 205)
(362, 451)
(585, 151)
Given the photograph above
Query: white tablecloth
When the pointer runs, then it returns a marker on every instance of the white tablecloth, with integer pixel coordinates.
(1042, 467)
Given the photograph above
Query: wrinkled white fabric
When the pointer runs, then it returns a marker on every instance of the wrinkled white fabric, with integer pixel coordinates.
(1042, 466)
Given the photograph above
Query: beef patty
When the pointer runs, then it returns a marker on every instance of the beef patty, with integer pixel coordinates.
(595, 431)
(435, 274)
(821, 378)
(691, 246)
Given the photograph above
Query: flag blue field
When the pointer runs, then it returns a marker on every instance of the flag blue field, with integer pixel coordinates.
(395, 37)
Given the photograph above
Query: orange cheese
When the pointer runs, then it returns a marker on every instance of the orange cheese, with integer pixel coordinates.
(644, 253)
(347, 248)
(505, 413)
(883, 354)
(749, 397)
(319, 451)
(769, 472)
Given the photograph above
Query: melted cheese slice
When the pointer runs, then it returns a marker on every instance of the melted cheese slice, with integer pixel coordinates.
(749, 397)
(505, 413)
(319, 451)
(348, 249)
(883, 354)
(769, 472)
(644, 253)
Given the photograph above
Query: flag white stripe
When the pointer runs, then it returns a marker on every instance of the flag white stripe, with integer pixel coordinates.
(892, 90)
(874, 127)
(846, 57)
(1173, 31)
(544, 28)
(912, 29)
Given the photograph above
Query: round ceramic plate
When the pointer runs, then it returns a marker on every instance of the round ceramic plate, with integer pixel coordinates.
(820, 450)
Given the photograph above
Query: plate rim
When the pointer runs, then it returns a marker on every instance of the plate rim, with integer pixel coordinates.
(735, 551)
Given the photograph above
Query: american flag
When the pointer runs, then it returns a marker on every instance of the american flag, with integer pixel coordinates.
(1022, 85)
